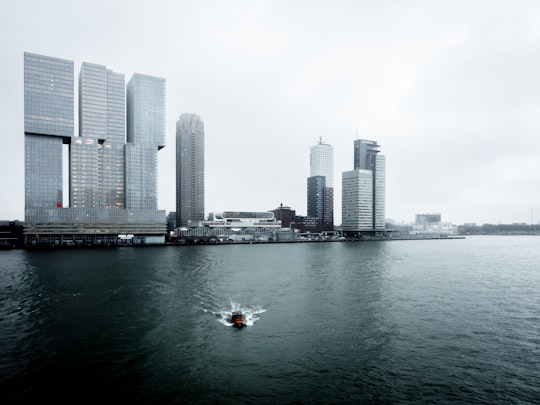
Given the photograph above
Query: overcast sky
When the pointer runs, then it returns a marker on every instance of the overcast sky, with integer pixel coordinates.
(449, 89)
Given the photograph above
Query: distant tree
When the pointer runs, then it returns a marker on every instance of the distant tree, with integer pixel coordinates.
(499, 229)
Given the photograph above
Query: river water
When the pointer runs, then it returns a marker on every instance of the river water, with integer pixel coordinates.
(432, 321)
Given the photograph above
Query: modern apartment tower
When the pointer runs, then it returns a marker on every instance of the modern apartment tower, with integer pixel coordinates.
(100, 166)
(189, 169)
(363, 190)
(320, 186)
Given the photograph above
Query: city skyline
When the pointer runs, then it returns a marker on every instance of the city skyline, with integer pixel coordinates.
(443, 87)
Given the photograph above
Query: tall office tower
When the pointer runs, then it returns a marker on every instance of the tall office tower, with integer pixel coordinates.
(48, 124)
(145, 136)
(321, 162)
(363, 189)
(98, 167)
(189, 169)
(97, 157)
(320, 185)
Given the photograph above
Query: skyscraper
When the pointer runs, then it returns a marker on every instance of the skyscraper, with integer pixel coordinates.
(189, 169)
(48, 124)
(97, 156)
(320, 186)
(145, 136)
(98, 167)
(321, 162)
(363, 189)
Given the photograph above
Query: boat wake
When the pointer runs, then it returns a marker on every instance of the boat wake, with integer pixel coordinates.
(251, 314)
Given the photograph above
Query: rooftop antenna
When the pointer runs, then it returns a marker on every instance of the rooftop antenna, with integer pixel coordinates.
(320, 140)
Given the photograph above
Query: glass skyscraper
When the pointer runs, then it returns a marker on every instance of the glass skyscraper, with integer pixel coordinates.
(189, 169)
(97, 155)
(320, 186)
(145, 136)
(48, 96)
(363, 189)
(48, 124)
(98, 167)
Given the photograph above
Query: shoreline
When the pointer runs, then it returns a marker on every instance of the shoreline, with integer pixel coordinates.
(184, 243)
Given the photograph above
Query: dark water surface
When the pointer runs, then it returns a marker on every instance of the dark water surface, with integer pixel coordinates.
(367, 322)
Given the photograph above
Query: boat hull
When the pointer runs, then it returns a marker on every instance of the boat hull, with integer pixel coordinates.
(238, 320)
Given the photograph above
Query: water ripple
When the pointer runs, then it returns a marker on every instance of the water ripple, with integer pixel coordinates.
(392, 322)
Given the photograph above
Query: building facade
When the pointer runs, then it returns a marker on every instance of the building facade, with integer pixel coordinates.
(145, 137)
(235, 226)
(189, 169)
(321, 162)
(97, 211)
(320, 187)
(11, 234)
(286, 215)
(421, 219)
(48, 125)
(363, 190)
(97, 158)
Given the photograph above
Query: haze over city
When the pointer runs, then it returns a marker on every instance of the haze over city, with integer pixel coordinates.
(450, 90)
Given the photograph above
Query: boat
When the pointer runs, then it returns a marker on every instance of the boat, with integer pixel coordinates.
(238, 320)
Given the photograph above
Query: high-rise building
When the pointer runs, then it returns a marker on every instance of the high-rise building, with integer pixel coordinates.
(145, 136)
(365, 154)
(48, 124)
(363, 189)
(189, 169)
(320, 186)
(98, 182)
(97, 155)
(315, 197)
(321, 162)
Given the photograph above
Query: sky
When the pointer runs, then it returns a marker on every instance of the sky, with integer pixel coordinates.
(449, 89)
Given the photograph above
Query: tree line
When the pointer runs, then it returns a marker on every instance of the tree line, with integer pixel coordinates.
(499, 229)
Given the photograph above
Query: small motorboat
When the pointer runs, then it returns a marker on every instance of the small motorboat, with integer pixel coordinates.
(238, 320)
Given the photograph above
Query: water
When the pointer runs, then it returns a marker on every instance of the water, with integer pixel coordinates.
(374, 322)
